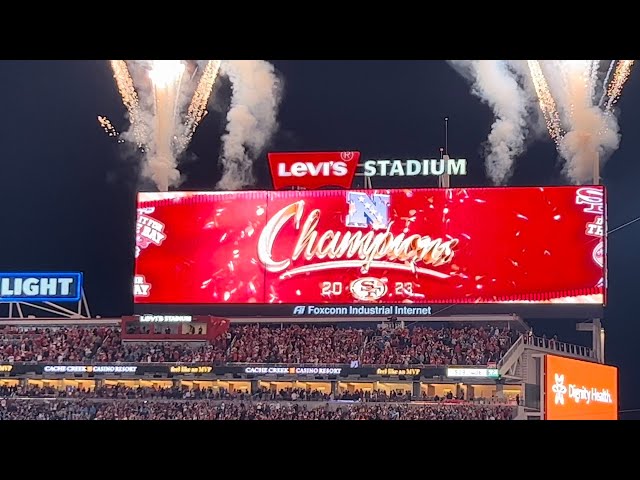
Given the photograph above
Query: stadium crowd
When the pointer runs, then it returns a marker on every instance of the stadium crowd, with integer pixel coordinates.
(99, 345)
(66, 409)
(150, 393)
(468, 345)
(296, 344)
(255, 343)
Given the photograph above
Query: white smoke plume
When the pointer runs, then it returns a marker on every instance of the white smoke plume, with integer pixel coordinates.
(592, 134)
(252, 119)
(496, 82)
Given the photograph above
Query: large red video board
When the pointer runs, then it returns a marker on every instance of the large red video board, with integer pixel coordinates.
(428, 246)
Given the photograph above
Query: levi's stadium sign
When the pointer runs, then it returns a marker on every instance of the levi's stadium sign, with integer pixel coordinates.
(334, 250)
(314, 170)
(166, 318)
(410, 168)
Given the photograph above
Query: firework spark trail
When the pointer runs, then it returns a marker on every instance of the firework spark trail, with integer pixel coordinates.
(546, 101)
(595, 68)
(612, 65)
(166, 76)
(558, 87)
(198, 107)
(620, 76)
(155, 115)
(590, 132)
(163, 115)
(129, 98)
(109, 129)
(566, 90)
(576, 83)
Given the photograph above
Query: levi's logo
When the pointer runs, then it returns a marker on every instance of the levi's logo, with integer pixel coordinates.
(312, 170)
(325, 169)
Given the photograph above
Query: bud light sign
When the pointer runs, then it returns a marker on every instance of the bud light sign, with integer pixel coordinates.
(40, 287)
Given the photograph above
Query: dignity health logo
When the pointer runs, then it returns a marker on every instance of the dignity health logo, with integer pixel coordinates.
(578, 394)
(559, 389)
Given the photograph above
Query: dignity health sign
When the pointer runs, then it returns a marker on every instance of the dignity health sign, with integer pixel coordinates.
(578, 390)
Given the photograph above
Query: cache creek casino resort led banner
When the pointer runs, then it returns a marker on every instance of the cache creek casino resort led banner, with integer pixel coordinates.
(428, 246)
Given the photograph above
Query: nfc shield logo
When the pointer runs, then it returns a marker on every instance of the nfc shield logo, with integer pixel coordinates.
(365, 210)
(368, 289)
(560, 389)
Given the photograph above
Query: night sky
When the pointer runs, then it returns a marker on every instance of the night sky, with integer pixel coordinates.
(68, 190)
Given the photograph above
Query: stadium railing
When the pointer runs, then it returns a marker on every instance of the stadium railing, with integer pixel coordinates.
(557, 346)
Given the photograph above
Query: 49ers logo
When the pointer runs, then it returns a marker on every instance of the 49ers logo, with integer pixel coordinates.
(311, 170)
(368, 289)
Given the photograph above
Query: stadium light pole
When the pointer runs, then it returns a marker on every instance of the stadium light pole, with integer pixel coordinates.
(595, 325)
(444, 180)
(598, 331)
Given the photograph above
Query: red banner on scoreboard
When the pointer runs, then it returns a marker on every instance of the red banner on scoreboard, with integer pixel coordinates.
(477, 245)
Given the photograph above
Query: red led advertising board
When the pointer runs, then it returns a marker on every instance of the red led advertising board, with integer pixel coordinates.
(522, 245)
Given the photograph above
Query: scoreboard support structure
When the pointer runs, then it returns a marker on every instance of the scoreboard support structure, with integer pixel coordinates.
(22, 310)
(597, 336)
(595, 325)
